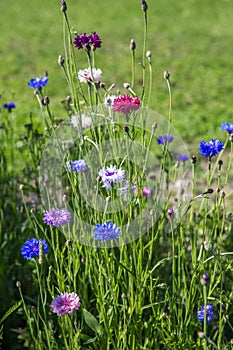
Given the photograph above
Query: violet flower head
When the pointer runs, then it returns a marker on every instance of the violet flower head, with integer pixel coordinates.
(209, 313)
(227, 127)
(163, 139)
(211, 148)
(65, 303)
(88, 42)
(107, 231)
(126, 104)
(38, 82)
(31, 248)
(183, 157)
(57, 217)
(9, 106)
(111, 175)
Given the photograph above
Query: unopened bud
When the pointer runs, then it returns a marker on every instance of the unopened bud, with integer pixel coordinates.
(60, 60)
(144, 6)
(166, 74)
(126, 85)
(63, 6)
(148, 54)
(194, 159)
(205, 279)
(132, 45)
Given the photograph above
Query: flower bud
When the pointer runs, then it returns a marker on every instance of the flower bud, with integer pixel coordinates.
(132, 45)
(166, 74)
(205, 279)
(63, 6)
(60, 60)
(144, 6)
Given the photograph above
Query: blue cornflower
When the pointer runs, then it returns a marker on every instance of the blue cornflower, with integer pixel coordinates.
(211, 148)
(183, 157)
(9, 106)
(78, 165)
(209, 313)
(227, 127)
(38, 82)
(107, 231)
(161, 140)
(31, 248)
(111, 175)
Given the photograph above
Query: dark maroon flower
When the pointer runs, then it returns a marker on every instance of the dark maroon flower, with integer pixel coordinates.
(89, 42)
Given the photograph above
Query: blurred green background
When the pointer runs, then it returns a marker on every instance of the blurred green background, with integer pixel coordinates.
(193, 39)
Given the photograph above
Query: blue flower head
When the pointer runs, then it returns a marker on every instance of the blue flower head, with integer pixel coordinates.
(227, 127)
(9, 106)
(107, 231)
(31, 248)
(209, 313)
(78, 165)
(38, 82)
(211, 148)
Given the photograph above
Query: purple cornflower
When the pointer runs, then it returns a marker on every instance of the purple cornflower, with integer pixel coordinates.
(9, 106)
(65, 303)
(92, 41)
(38, 82)
(57, 217)
(227, 127)
(107, 231)
(78, 165)
(31, 248)
(111, 175)
(211, 148)
(183, 157)
(209, 313)
(161, 140)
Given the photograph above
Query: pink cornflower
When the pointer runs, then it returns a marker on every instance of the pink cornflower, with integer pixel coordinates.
(126, 104)
(146, 191)
(65, 303)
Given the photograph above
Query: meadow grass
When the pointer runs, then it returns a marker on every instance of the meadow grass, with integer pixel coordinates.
(174, 253)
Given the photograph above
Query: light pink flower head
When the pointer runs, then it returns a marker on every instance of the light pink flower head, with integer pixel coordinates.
(85, 75)
(65, 303)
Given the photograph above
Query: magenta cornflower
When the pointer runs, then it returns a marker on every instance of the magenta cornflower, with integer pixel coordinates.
(65, 303)
(126, 104)
(88, 42)
(146, 191)
(57, 217)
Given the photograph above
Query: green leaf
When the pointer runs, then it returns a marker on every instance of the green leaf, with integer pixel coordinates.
(12, 309)
(91, 321)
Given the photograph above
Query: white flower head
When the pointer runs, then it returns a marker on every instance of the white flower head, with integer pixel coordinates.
(86, 121)
(85, 75)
